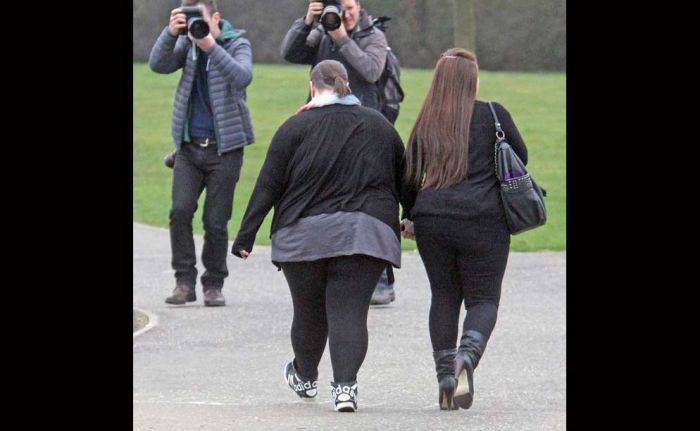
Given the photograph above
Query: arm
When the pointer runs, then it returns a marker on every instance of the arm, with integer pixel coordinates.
(409, 193)
(169, 52)
(512, 134)
(369, 62)
(268, 189)
(301, 43)
(235, 66)
(399, 167)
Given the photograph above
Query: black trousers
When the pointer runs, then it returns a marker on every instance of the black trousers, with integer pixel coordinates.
(196, 169)
(331, 300)
(465, 263)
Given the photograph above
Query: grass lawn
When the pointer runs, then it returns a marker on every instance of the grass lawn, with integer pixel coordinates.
(536, 102)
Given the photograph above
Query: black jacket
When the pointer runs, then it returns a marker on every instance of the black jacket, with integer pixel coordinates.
(328, 159)
(476, 199)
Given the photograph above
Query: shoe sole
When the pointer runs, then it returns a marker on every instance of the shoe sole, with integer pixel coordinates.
(380, 303)
(174, 302)
(346, 407)
(463, 398)
(387, 302)
(214, 303)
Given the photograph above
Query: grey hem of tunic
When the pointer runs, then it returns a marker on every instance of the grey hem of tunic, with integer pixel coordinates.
(338, 234)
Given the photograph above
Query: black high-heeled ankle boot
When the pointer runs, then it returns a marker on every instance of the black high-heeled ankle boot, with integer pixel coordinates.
(471, 347)
(444, 367)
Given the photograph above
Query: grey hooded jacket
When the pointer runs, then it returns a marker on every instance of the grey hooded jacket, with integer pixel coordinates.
(363, 53)
(230, 71)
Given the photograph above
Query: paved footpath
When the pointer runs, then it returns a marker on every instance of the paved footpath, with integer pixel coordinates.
(221, 368)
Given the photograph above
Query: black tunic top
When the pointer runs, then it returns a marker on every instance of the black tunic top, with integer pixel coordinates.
(325, 160)
(475, 199)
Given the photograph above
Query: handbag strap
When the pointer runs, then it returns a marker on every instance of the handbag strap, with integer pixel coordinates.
(500, 134)
(500, 137)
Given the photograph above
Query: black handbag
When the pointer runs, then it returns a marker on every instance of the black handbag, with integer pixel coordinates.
(523, 199)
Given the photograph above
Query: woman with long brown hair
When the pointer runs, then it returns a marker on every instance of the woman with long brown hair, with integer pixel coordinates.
(455, 215)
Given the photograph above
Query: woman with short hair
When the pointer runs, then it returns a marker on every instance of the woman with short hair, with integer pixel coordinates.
(333, 173)
(460, 226)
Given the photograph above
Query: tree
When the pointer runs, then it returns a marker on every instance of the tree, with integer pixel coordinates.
(464, 23)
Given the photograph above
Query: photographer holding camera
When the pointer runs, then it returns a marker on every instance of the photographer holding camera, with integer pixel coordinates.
(211, 125)
(356, 43)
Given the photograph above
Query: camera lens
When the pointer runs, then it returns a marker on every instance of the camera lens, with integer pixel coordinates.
(330, 19)
(198, 27)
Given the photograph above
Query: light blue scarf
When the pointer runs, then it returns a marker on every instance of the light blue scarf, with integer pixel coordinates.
(333, 99)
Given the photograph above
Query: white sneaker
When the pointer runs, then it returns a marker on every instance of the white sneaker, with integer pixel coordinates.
(344, 396)
(304, 388)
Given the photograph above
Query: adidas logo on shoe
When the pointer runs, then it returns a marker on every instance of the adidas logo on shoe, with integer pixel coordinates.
(344, 396)
(305, 389)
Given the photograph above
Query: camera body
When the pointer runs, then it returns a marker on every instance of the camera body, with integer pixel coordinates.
(332, 16)
(195, 22)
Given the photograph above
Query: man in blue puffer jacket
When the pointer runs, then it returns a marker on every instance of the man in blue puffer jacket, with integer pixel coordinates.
(211, 125)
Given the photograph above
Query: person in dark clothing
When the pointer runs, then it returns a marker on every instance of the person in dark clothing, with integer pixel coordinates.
(362, 49)
(357, 44)
(453, 211)
(210, 126)
(334, 175)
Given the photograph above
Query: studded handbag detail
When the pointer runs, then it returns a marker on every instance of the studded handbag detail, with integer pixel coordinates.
(522, 198)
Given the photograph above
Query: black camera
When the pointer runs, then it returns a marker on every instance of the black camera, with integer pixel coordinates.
(195, 22)
(332, 16)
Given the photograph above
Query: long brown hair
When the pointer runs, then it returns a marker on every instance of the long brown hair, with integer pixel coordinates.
(438, 147)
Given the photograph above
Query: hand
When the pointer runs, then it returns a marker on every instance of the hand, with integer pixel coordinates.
(205, 43)
(315, 9)
(304, 108)
(178, 20)
(239, 252)
(206, 16)
(339, 33)
(407, 230)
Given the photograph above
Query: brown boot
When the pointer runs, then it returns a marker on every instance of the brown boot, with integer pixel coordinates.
(213, 297)
(181, 294)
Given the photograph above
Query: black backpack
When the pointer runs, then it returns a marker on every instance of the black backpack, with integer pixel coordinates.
(390, 91)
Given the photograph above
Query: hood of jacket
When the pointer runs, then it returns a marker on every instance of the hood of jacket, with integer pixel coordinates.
(228, 32)
(364, 23)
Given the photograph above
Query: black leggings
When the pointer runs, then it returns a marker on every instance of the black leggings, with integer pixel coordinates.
(331, 299)
(466, 263)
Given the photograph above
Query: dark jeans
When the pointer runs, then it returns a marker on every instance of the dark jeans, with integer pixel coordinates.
(465, 263)
(331, 300)
(195, 169)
